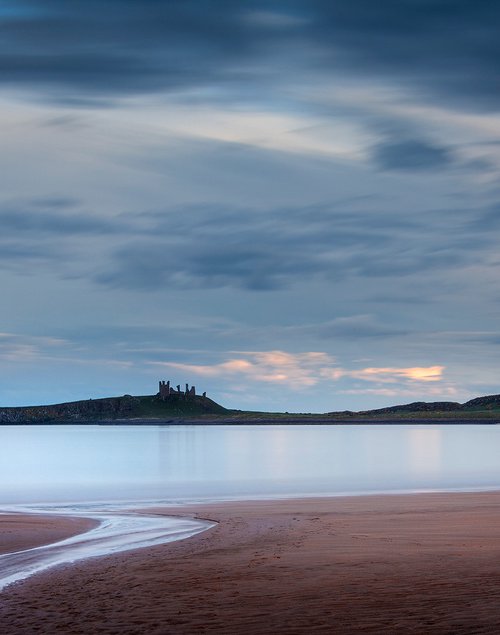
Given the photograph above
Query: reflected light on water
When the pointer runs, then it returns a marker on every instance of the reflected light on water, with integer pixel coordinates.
(278, 456)
(425, 452)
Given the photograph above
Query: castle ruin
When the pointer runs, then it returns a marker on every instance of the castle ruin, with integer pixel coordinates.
(166, 391)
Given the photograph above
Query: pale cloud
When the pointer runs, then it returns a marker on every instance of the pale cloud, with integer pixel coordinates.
(18, 353)
(21, 349)
(305, 370)
(259, 128)
(279, 367)
(389, 375)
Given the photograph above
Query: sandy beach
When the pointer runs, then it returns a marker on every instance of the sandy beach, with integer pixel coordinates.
(33, 530)
(381, 564)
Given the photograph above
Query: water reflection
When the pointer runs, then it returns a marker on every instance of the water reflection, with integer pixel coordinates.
(77, 463)
(425, 451)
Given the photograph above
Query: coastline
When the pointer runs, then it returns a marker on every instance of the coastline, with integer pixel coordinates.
(372, 564)
(310, 420)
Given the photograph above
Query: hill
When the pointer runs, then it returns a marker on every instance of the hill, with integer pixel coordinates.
(114, 409)
(479, 407)
(190, 408)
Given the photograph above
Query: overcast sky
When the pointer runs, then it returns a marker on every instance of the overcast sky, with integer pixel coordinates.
(292, 205)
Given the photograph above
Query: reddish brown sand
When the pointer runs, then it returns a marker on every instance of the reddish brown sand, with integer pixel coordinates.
(32, 530)
(382, 564)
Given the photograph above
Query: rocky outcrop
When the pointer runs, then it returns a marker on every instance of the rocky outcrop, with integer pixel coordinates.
(90, 409)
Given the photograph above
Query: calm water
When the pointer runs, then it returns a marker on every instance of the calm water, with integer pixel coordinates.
(94, 463)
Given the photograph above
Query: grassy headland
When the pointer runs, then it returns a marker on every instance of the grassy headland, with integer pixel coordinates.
(149, 409)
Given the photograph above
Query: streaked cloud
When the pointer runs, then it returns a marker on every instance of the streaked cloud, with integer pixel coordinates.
(123, 48)
(182, 179)
(20, 349)
(298, 370)
(301, 370)
(392, 375)
(216, 246)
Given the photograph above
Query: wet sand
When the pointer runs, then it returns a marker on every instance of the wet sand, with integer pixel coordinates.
(381, 564)
(33, 530)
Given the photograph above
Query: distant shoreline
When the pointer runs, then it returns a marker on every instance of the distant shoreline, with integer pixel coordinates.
(307, 421)
(190, 409)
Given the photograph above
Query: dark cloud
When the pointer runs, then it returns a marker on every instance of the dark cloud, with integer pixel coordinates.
(218, 246)
(18, 220)
(30, 257)
(13, 251)
(355, 327)
(214, 247)
(411, 154)
(492, 339)
(444, 48)
(48, 232)
(154, 265)
(486, 221)
(122, 46)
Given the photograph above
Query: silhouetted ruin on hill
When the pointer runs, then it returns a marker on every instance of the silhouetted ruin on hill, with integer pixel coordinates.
(166, 391)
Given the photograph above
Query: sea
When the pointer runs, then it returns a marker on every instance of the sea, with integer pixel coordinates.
(57, 464)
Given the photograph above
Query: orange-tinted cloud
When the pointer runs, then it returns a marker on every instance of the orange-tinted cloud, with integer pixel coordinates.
(304, 369)
(299, 369)
(389, 375)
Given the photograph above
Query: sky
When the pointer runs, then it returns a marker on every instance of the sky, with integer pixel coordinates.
(293, 205)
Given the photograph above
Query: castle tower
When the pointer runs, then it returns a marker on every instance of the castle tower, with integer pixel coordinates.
(165, 390)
